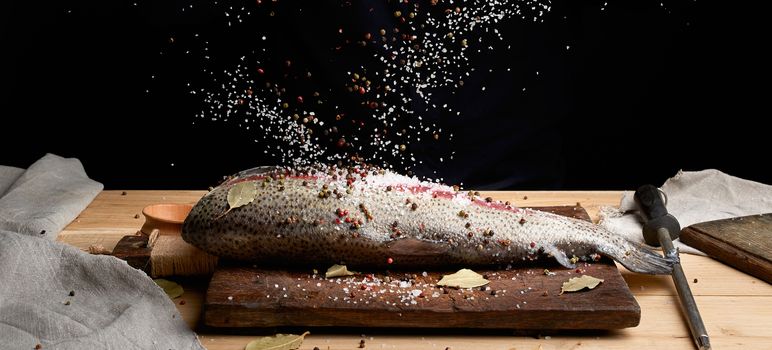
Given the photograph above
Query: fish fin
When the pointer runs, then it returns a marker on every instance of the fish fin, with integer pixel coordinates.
(417, 247)
(637, 258)
(560, 256)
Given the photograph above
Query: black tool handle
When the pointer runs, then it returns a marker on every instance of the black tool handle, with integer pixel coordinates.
(652, 210)
(650, 202)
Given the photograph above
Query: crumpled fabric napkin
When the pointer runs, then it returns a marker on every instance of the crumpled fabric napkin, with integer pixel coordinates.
(694, 197)
(46, 197)
(113, 305)
(8, 176)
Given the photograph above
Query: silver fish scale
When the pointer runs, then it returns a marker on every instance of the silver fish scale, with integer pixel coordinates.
(393, 221)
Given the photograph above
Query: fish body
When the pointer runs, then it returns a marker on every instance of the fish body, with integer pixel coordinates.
(367, 217)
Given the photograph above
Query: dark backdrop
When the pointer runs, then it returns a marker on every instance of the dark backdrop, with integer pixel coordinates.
(645, 90)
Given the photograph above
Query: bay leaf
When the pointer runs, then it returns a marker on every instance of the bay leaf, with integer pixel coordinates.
(171, 289)
(578, 283)
(338, 271)
(464, 278)
(277, 342)
(240, 195)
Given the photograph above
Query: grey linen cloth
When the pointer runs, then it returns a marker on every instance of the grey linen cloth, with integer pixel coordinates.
(112, 306)
(46, 197)
(694, 197)
(8, 176)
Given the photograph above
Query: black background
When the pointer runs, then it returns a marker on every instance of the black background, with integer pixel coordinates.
(645, 90)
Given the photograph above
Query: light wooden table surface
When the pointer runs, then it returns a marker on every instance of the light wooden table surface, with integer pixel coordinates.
(736, 308)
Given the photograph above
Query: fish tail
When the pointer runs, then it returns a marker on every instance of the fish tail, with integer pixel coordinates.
(638, 258)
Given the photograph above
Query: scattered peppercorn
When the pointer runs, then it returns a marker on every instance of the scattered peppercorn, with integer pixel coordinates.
(43, 232)
(123, 193)
(414, 206)
(362, 344)
(72, 293)
(695, 280)
(136, 216)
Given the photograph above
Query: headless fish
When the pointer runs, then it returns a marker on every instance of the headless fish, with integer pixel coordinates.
(370, 217)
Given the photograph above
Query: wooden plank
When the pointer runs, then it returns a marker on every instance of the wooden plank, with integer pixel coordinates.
(744, 242)
(733, 323)
(734, 305)
(113, 215)
(135, 251)
(519, 298)
(707, 277)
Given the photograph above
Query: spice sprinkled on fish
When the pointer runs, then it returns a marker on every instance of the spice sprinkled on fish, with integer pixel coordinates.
(369, 217)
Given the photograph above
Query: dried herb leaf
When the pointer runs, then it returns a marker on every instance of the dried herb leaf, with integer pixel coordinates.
(277, 342)
(464, 278)
(241, 194)
(172, 289)
(578, 283)
(338, 271)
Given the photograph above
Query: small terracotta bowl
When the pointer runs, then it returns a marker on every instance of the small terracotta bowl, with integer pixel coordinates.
(166, 218)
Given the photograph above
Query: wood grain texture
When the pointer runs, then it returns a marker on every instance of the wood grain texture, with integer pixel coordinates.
(135, 251)
(519, 298)
(736, 307)
(744, 242)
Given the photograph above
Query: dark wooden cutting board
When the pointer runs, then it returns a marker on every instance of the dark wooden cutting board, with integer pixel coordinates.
(744, 243)
(522, 297)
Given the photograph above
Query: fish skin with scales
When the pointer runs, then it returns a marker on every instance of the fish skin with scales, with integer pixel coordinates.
(369, 217)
